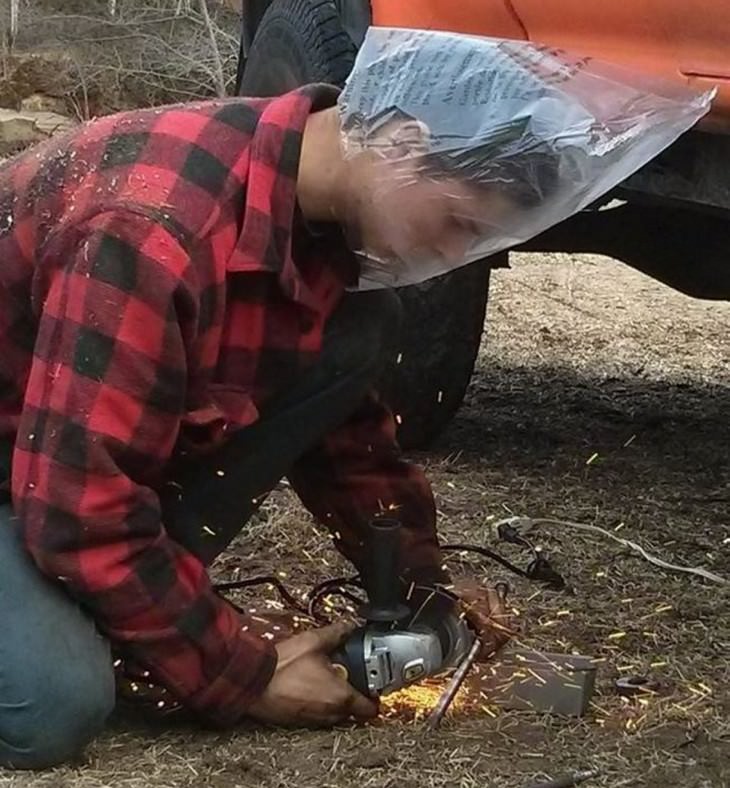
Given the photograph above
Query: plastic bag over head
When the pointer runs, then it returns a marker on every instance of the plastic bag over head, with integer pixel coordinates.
(472, 145)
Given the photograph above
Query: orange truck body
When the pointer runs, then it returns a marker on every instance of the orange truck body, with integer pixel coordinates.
(685, 40)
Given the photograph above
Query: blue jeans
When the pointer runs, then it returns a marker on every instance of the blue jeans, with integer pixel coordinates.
(56, 672)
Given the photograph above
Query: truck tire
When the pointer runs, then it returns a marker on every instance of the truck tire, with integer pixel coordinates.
(303, 41)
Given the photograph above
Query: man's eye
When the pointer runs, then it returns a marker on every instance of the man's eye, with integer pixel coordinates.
(467, 225)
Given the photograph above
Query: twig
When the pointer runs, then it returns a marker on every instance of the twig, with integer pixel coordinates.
(14, 22)
(219, 77)
(568, 780)
(85, 112)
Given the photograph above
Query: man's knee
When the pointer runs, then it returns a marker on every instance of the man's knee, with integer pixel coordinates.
(46, 720)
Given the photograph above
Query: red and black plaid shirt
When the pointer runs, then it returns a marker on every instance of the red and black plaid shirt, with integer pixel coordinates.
(119, 332)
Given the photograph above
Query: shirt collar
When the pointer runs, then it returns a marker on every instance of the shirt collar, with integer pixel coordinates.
(265, 241)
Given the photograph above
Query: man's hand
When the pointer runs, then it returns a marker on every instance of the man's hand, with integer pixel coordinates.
(306, 690)
(486, 611)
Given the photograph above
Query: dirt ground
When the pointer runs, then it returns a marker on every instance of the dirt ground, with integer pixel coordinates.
(602, 397)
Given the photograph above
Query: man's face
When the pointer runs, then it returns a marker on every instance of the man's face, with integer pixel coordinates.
(404, 218)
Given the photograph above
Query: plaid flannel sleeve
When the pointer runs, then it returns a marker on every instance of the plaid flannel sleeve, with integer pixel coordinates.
(358, 472)
(101, 417)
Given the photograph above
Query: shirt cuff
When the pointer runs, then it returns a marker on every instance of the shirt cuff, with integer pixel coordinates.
(224, 701)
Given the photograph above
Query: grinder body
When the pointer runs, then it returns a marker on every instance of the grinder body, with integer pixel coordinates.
(396, 648)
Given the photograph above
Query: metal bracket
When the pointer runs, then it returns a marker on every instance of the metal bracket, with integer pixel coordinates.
(527, 680)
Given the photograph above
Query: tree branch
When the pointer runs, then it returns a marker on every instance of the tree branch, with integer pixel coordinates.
(219, 78)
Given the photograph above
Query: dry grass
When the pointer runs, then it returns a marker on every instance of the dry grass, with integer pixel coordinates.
(583, 358)
(150, 52)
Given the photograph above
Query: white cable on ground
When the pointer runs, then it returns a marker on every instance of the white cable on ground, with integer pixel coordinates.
(516, 522)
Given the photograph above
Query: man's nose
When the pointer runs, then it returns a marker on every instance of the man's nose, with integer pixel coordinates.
(455, 246)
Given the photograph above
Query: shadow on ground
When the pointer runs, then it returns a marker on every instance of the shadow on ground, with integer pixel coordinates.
(551, 419)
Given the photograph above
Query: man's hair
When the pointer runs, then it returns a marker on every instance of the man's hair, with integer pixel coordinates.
(513, 162)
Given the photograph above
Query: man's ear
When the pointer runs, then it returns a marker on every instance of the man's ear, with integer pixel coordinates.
(407, 139)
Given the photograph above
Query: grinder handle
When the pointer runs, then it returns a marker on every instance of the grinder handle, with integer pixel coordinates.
(386, 604)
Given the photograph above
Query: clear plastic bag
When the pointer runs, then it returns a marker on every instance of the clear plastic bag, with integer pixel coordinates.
(534, 133)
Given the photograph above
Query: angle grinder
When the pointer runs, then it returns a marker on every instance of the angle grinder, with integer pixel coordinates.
(398, 646)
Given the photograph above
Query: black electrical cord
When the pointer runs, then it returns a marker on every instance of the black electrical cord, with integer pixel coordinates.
(539, 569)
(335, 591)
(261, 580)
(485, 552)
(335, 582)
(336, 586)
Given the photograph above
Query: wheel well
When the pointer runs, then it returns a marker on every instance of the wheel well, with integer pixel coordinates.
(686, 249)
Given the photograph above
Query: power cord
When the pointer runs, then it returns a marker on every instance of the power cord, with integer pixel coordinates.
(351, 588)
(260, 580)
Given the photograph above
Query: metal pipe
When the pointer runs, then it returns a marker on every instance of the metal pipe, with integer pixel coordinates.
(447, 698)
